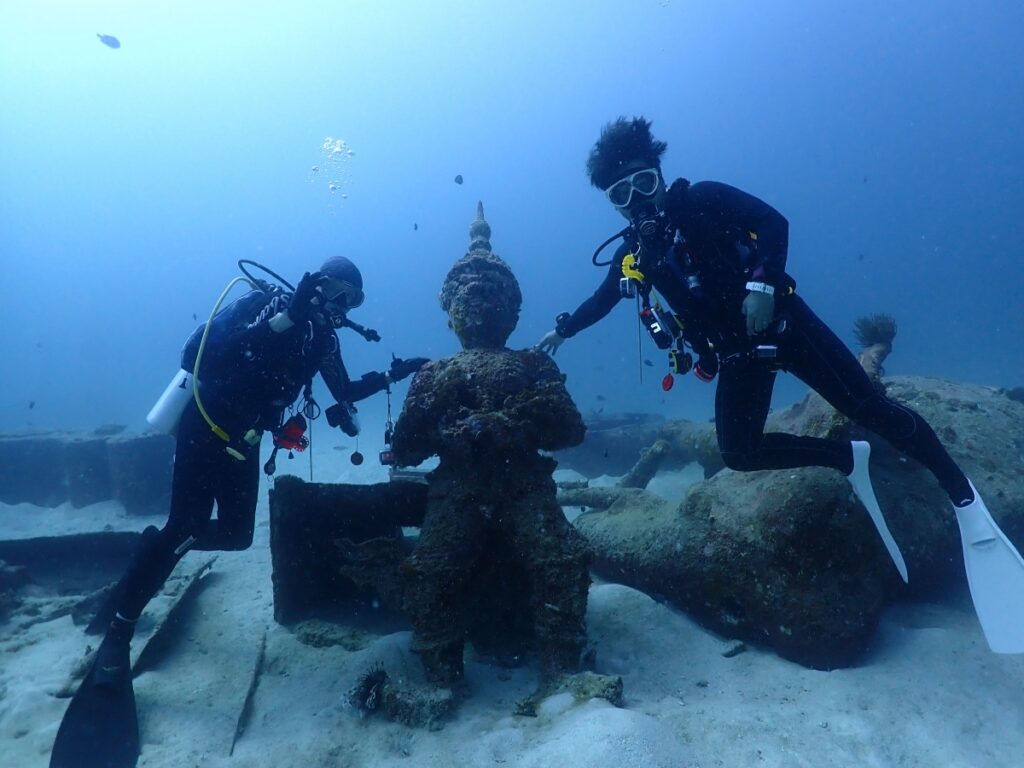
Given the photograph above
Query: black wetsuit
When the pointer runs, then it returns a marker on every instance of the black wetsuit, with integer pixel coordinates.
(248, 375)
(730, 238)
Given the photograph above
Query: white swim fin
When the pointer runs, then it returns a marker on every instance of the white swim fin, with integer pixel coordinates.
(860, 479)
(995, 574)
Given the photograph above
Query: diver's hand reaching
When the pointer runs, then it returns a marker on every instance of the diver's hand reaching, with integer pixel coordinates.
(550, 343)
(301, 305)
(401, 368)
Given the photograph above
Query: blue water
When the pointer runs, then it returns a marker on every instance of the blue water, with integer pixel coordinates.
(131, 180)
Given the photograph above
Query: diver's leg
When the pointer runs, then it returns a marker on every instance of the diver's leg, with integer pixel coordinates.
(820, 359)
(159, 550)
(236, 489)
(741, 409)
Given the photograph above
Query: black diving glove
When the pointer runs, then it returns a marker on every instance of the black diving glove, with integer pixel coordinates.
(301, 305)
(401, 368)
(343, 416)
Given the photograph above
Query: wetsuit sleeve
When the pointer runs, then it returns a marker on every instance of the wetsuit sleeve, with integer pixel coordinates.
(600, 304)
(341, 387)
(723, 207)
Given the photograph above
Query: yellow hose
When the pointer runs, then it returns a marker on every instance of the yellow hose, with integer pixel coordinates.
(199, 356)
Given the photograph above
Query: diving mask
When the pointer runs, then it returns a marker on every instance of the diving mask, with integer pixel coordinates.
(341, 296)
(644, 181)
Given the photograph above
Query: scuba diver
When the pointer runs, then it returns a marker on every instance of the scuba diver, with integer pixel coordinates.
(250, 363)
(717, 257)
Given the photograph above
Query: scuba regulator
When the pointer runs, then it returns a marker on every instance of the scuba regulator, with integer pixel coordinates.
(656, 241)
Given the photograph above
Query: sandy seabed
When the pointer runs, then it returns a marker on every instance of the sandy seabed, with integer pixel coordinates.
(929, 693)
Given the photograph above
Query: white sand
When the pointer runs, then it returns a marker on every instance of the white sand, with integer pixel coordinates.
(929, 694)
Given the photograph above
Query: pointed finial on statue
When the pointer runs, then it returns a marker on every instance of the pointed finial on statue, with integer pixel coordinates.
(480, 231)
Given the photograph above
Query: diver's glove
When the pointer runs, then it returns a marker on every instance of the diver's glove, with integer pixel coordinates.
(706, 367)
(550, 343)
(759, 307)
(401, 368)
(343, 416)
(301, 306)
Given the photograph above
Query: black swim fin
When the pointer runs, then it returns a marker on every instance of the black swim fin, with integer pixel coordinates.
(100, 728)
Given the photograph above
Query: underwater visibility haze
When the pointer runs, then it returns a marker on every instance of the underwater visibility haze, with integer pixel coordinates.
(132, 179)
(146, 148)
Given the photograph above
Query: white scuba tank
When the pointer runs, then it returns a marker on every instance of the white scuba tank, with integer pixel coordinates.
(166, 412)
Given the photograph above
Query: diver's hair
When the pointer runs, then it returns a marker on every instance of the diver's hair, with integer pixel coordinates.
(622, 142)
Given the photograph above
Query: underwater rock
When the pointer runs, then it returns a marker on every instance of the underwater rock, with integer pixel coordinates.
(50, 468)
(1014, 393)
(12, 578)
(140, 470)
(306, 522)
(325, 634)
(86, 471)
(581, 686)
(789, 558)
(615, 450)
(105, 430)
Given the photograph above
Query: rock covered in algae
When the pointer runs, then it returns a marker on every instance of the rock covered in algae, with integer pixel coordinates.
(789, 558)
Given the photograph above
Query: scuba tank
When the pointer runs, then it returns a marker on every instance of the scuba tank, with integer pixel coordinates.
(166, 412)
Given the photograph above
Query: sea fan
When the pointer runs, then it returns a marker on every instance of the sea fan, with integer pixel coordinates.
(875, 329)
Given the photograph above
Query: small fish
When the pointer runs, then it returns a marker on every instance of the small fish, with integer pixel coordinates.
(606, 453)
(458, 179)
(39, 345)
(109, 40)
(31, 404)
(601, 398)
(194, 316)
(415, 227)
(860, 257)
(340, 448)
(648, 363)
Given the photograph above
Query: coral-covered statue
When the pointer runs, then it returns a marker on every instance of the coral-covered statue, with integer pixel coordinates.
(486, 412)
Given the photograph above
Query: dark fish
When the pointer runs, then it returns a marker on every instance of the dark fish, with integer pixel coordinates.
(415, 227)
(606, 453)
(194, 316)
(31, 404)
(860, 257)
(648, 363)
(109, 40)
(458, 179)
(601, 398)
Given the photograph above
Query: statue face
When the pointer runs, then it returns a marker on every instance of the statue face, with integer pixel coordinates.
(482, 298)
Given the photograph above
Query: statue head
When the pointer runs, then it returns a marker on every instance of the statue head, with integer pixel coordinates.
(480, 293)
